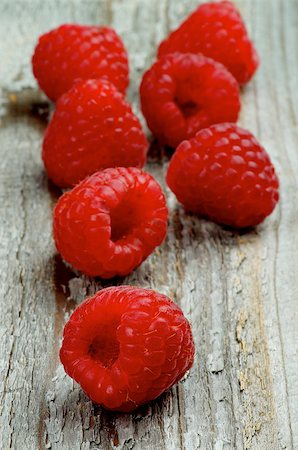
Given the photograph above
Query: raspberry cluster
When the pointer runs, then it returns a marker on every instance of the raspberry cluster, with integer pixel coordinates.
(125, 345)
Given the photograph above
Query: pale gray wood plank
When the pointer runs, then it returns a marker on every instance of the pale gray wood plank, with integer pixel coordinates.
(239, 290)
(275, 124)
(27, 305)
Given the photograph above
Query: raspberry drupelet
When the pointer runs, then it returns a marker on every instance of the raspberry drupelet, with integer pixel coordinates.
(72, 53)
(92, 128)
(182, 93)
(125, 346)
(216, 30)
(110, 222)
(223, 173)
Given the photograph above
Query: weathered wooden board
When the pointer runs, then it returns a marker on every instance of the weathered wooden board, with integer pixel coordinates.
(238, 290)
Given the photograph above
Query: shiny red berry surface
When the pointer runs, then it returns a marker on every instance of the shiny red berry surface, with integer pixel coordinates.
(92, 128)
(223, 173)
(125, 346)
(72, 53)
(110, 222)
(182, 93)
(216, 30)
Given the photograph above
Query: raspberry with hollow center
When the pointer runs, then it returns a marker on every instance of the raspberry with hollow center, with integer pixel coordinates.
(216, 30)
(182, 93)
(110, 222)
(92, 128)
(223, 173)
(125, 346)
(72, 53)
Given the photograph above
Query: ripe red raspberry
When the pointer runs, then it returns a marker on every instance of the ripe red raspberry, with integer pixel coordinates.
(182, 93)
(92, 128)
(217, 30)
(223, 173)
(72, 53)
(125, 346)
(110, 222)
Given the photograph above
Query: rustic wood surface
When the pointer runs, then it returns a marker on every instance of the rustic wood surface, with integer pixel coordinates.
(238, 290)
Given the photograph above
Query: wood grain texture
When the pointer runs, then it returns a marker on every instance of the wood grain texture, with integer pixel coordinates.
(238, 290)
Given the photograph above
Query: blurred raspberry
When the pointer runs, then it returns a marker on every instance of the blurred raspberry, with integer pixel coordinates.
(73, 53)
(217, 30)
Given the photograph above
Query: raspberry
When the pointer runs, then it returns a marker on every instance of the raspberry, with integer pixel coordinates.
(223, 173)
(125, 346)
(217, 30)
(110, 222)
(182, 93)
(92, 128)
(72, 53)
